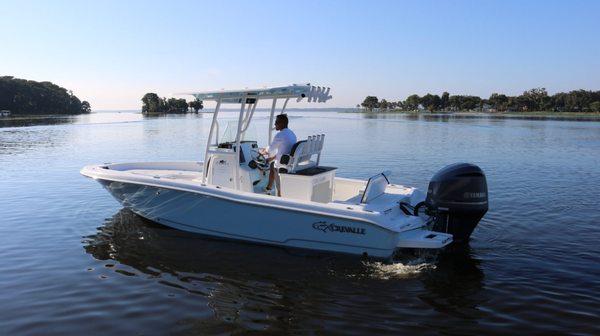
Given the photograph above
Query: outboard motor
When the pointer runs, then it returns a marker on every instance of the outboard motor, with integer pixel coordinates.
(457, 199)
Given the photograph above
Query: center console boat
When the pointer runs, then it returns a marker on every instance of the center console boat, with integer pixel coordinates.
(223, 196)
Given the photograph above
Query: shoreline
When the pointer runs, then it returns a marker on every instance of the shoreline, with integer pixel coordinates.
(536, 115)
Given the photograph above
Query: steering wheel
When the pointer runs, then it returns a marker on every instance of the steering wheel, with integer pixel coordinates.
(261, 162)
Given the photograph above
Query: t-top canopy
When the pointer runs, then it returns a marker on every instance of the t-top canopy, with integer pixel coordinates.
(299, 91)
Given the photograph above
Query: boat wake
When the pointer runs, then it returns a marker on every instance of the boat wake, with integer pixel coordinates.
(399, 270)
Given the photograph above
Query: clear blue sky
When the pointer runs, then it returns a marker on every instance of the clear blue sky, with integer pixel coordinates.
(112, 52)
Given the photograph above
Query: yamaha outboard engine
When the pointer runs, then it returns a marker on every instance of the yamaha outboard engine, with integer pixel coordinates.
(457, 199)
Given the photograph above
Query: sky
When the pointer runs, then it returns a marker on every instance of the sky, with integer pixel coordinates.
(113, 52)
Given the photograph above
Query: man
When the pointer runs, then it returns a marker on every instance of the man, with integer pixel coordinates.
(281, 145)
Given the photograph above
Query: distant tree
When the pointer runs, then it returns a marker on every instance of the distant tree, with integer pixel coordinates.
(163, 105)
(525, 103)
(445, 100)
(536, 99)
(74, 105)
(85, 107)
(512, 104)
(384, 104)
(196, 105)
(580, 100)
(412, 102)
(182, 105)
(152, 103)
(370, 103)
(560, 102)
(174, 105)
(498, 101)
(454, 103)
(431, 102)
(470, 103)
(22, 96)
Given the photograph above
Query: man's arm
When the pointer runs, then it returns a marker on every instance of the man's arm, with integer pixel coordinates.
(273, 149)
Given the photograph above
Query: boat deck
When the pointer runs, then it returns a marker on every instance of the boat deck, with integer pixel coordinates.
(169, 174)
(393, 195)
(347, 193)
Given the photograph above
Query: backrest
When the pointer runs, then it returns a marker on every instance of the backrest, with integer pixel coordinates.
(302, 152)
(295, 147)
(309, 147)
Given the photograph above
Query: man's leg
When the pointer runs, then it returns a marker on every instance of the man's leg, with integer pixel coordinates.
(278, 182)
(271, 176)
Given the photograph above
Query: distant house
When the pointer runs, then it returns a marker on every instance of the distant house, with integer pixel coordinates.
(4, 113)
(487, 108)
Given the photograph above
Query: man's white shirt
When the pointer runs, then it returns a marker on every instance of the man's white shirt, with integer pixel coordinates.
(282, 143)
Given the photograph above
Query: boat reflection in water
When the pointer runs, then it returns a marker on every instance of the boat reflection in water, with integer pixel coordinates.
(247, 286)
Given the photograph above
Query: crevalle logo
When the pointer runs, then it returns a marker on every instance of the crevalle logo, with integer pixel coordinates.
(330, 227)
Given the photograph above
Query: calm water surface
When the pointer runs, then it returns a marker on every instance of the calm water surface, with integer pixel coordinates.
(72, 261)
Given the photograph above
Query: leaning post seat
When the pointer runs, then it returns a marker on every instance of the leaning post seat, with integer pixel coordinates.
(301, 154)
(301, 176)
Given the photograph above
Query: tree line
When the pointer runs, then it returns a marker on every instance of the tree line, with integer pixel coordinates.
(21, 96)
(152, 103)
(536, 99)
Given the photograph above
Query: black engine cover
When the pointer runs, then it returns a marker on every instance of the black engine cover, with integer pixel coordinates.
(458, 198)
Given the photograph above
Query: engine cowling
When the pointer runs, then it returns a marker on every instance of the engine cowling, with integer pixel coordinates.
(457, 198)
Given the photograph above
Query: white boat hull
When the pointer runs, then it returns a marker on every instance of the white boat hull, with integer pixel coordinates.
(172, 194)
(218, 217)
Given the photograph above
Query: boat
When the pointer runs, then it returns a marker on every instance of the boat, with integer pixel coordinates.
(223, 196)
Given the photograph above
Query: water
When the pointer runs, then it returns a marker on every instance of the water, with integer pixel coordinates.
(72, 261)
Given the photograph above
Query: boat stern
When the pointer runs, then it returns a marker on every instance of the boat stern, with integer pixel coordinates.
(423, 239)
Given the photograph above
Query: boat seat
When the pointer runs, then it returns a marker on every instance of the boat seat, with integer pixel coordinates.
(375, 187)
(301, 155)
